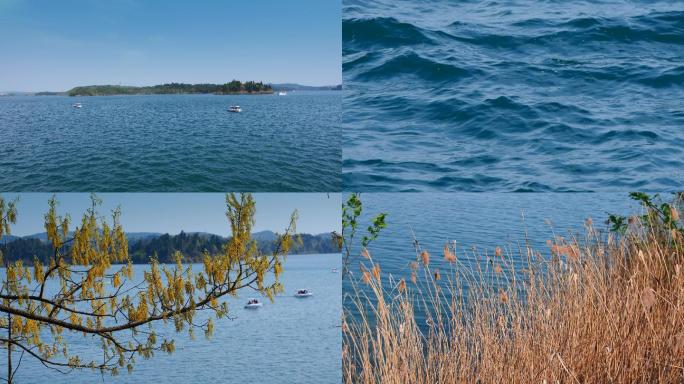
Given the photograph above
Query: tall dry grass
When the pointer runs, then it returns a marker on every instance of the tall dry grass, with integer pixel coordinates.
(600, 309)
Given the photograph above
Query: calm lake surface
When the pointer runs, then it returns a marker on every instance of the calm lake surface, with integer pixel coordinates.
(482, 220)
(171, 143)
(289, 341)
(513, 95)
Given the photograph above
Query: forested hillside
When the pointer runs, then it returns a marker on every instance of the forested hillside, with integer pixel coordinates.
(191, 245)
(231, 88)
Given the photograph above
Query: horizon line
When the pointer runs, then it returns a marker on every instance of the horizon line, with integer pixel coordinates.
(176, 82)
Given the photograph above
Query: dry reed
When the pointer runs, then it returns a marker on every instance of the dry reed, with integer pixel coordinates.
(601, 309)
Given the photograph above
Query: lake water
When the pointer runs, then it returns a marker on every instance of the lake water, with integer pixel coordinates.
(171, 143)
(289, 341)
(513, 95)
(481, 220)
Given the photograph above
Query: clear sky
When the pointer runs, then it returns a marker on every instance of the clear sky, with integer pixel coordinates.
(191, 212)
(56, 45)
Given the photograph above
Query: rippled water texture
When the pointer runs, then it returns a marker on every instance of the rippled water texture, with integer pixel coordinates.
(513, 95)
(478, 223)
(288, 341)
(171, 143)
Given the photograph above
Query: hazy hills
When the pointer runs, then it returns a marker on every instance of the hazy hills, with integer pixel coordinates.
(142, 245)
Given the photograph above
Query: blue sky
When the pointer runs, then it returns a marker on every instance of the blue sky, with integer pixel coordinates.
(56, 45)
(191, 212)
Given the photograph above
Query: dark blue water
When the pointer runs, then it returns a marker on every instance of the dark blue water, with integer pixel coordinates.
(173, 143)
(289, 341)
(513, 95)
(480, 220)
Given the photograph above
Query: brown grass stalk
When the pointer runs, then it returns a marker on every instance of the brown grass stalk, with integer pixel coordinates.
(603, 309)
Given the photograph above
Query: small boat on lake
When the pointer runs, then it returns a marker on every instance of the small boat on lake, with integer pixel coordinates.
(302, 293)
(334, 270)
(282, 93)
(253, 304)
(78, 105)
(235, 108)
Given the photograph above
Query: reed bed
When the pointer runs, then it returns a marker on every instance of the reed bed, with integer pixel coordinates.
(603, 308)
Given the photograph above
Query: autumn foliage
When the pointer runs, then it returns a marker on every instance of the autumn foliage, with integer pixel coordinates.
(88, 288)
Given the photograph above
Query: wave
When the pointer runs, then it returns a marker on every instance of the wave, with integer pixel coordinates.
(668, 78)
(490, 96)
(382, 31)
(412, 63)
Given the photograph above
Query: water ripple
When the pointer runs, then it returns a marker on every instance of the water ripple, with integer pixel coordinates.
(513, 96)
(178, 143)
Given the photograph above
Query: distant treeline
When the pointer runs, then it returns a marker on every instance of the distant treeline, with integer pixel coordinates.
(299, 87)
(232, 88)
(191, 245)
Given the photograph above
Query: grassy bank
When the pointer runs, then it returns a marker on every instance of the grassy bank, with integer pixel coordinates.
(600, 308)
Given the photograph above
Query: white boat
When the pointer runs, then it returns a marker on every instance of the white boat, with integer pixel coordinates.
(234, 108)
(334, 270)
(282, 93)
(303, 293)
(78, 105)
(253, 304)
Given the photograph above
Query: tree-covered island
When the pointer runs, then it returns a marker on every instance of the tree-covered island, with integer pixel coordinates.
(234, 87)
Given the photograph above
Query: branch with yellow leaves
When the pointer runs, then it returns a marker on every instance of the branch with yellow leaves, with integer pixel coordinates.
(81, 290)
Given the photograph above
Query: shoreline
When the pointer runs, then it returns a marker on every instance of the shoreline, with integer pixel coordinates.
(38, 94)
(2, 267)
(175, 93)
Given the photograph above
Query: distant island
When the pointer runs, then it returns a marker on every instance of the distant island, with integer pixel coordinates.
(235, 87)
(299, 87)
(48, 93)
